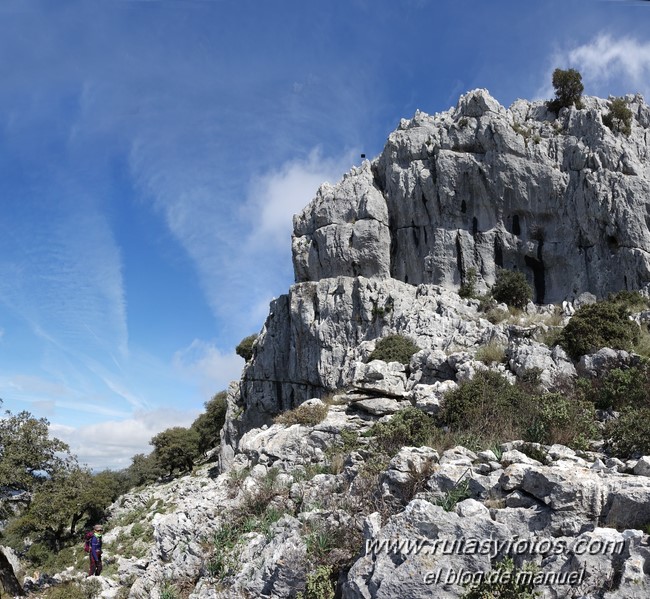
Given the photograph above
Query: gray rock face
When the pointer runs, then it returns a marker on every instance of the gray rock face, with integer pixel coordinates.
(479, 187)
(565, 518)
(314, 337)
(552, 364)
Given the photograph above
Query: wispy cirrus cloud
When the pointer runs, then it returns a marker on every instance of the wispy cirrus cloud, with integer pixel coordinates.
(606, 63)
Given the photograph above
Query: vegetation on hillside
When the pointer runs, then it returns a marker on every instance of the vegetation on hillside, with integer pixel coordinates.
(512, 288)
(568, 90)
(394, 348)
(603, 324)
(54, 499)
(619, 117)
(245, 347)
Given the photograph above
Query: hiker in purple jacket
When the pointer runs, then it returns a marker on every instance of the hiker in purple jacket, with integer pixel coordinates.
(96, 551)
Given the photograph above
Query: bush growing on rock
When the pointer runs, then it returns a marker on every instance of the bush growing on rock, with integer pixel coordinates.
(619, 117)
(305, 414)
(629, 434)
(594, 326)
(245, 347)
(176, 448)
(394, 348)
(632, 300)
(209, 424)
(144, 469)
(568, 90)
(468, 286)
(487, 402)
(619, 388)
(565, 420)
(495, 411)
(409, 426)
(507, 585)
(319, 584)
(512, 288)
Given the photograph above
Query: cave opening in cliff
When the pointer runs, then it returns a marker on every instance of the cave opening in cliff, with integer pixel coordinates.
(539, 281)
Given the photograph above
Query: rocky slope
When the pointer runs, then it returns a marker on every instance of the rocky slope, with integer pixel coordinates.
(564, 200)
(576, 516)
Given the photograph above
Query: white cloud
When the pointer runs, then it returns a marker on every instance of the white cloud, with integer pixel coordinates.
(607, 65)
(277, 195)
(214, 368)
(112, 444)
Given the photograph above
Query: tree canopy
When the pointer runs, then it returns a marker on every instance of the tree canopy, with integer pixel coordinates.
(208, 425)
(512, 288)
(245, 347)
(568, 89)
(176, 448)
(28, 455)
(619, 117)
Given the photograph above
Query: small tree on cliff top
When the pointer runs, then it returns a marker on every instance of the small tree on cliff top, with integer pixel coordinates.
(568, 90)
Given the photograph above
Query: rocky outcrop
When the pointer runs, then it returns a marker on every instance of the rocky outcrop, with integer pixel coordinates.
(572, 519)
(480, 186)
(9, 567)
(315, 335)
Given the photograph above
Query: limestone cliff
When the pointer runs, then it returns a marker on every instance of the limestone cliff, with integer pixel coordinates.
(565, 200)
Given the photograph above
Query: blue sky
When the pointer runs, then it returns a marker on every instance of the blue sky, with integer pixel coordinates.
(152, 154)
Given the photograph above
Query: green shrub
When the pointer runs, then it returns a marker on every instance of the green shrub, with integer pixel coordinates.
(39, 554)
(564, 420)
(208, 425)
(629, 434)
(632, 300)
(619, 117)
(394, 348)
(455, 495)
(245, 347)
(468, 286)
(603, 324)
(568, 90)
(169, 591)
(176, 448)
(619, 388)
(512, 288)
(409, 426)
(319, 584)
(307, 415)
(488, 402)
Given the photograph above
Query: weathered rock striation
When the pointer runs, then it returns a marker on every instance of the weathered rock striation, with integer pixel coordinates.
(315, 334)
(565, 200)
